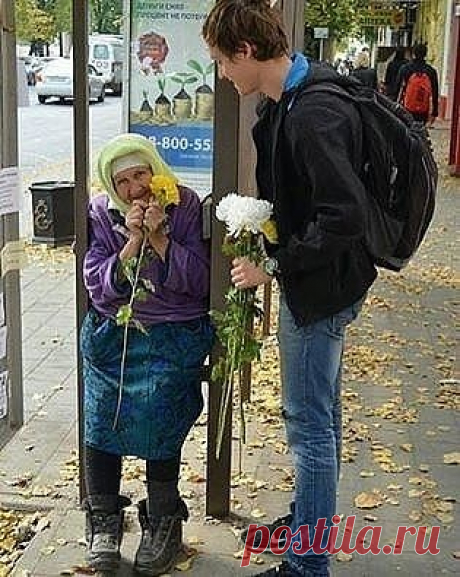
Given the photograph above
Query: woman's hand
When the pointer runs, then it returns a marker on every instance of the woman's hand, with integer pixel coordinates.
(154, 218)
(135, 219)
(134, 222)
(154, 222)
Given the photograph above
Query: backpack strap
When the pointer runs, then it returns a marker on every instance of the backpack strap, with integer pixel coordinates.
(324, 87)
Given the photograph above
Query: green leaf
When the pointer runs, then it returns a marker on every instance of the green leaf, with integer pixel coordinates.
(129, 268)
(124, 315)
(140, 294)
(139, 326)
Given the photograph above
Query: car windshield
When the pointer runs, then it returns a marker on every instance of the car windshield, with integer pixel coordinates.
(101, 52)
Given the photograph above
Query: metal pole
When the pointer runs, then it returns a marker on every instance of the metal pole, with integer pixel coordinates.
(82, 186)
(9, 224)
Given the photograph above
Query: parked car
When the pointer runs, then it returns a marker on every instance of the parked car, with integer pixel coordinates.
(106, 54)
(32, 65)
(56, 79)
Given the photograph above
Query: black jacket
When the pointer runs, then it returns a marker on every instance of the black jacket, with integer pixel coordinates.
(308, 165)
(368, 76)
(391, 77)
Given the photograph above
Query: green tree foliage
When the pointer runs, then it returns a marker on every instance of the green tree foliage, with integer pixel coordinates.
(340, 16)
(106, 16)
(33, 22)
(44, 19)
(62, 12)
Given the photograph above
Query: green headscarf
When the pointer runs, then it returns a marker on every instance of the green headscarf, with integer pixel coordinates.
(122, 145)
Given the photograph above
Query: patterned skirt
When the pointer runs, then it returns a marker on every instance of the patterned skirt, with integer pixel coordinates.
(161, 397)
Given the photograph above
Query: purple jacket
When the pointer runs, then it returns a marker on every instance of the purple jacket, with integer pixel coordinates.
(179, 287)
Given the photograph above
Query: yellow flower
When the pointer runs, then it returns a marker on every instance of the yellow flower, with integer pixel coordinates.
(268, 229)
(165, 190)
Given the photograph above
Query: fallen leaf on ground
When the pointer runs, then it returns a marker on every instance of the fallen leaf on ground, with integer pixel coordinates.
(452, 458)
(369, 500)
(186, 558)
(344, 557)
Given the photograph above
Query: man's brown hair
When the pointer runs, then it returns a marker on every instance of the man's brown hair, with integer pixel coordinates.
(232, 22)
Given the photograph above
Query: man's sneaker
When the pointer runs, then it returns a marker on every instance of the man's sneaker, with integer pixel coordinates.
(283, 570)
(279, 522)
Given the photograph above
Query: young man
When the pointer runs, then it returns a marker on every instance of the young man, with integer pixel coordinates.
(391, 74)
(309, 159)
(417, 86)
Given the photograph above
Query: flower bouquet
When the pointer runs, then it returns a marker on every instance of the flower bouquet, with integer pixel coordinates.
(246, 219)
(165, 192)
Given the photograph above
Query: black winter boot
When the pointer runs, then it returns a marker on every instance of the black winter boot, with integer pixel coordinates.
(104, 530)
(161, 540)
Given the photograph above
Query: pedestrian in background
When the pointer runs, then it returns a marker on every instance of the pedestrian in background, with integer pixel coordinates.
(309, 158)
(363, 72)
(161, 396)
(418, 87)
(391, 74)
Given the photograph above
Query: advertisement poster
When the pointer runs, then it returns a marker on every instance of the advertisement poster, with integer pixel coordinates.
(172, 86)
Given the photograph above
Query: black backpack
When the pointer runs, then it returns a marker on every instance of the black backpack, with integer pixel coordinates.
(399, 172)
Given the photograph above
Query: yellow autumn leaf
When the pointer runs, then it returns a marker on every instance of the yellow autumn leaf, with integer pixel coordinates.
(368, 500)
(452, 458)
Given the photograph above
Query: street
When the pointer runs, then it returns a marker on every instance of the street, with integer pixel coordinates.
(45, 142)
(46, 131)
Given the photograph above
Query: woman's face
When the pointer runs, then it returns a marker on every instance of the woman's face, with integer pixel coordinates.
(133, 183)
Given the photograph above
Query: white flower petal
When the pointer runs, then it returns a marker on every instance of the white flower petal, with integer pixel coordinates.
(243, 213)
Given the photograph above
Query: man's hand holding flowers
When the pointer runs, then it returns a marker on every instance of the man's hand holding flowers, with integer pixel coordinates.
(246, 220)
(247, 274)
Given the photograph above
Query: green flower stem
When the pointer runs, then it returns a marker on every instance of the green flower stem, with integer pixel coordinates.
(237, 339)
(244, 325)
(227, 387)
(233, 362)
(125, 332)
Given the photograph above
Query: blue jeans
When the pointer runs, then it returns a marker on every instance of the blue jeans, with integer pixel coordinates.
(311, 358)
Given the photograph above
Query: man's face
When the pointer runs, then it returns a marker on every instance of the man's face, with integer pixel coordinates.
(241, 69)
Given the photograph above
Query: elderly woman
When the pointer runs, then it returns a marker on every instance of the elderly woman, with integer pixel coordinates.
(150, 415)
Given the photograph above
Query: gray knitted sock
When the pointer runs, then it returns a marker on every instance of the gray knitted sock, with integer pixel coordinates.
(163, 497)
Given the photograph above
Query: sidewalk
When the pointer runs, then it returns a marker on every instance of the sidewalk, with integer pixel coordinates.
(401, 425)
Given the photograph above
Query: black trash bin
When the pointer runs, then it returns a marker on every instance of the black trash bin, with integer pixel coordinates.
(53, 212)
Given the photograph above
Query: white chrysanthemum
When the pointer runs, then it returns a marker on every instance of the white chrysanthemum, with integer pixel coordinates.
(243, 213)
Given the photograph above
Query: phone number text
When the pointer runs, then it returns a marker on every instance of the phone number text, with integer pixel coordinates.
(182, 143)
